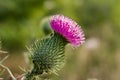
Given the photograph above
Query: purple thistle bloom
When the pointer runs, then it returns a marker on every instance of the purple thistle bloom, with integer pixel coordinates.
(68, 29)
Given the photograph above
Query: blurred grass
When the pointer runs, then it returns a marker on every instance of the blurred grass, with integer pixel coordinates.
(99, 58)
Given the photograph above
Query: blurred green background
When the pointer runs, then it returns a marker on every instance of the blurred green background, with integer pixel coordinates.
(23, 21)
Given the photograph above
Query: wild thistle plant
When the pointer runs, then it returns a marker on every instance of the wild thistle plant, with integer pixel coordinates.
(48, 54)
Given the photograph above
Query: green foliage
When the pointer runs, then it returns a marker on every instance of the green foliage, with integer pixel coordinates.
(0, 45)
(18, 9)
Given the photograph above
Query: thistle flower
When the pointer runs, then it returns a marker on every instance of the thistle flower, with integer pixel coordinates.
(68, 29)
(48, 54)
